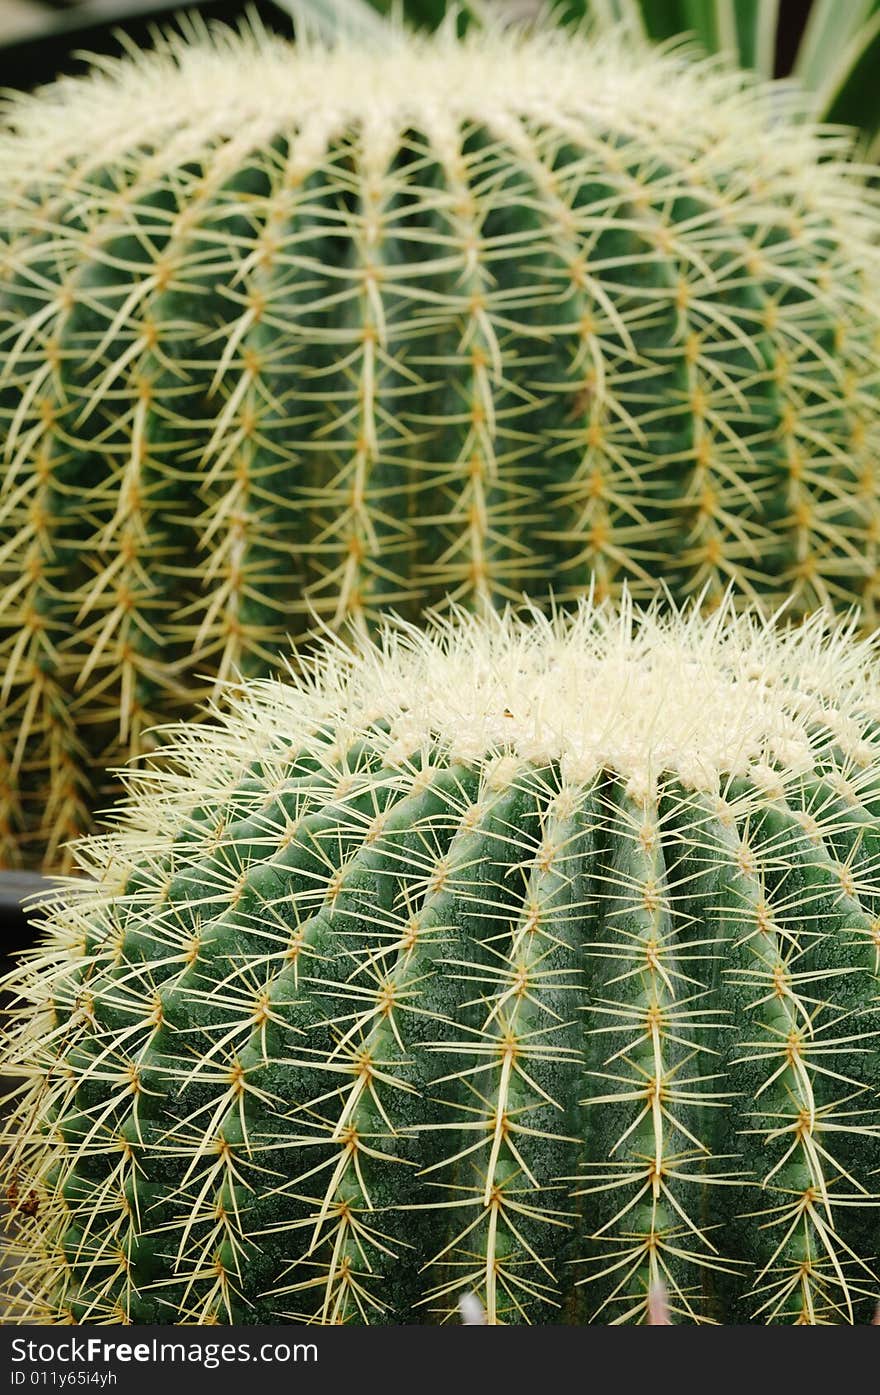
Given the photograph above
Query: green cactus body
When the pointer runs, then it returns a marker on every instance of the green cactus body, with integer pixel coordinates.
(525, 957)
(450, 321)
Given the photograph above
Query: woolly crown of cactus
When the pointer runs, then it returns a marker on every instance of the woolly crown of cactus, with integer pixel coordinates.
(536, 958)
(285, 332)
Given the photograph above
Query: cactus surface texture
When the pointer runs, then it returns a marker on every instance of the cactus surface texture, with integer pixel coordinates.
(530, 957)
(294, 333)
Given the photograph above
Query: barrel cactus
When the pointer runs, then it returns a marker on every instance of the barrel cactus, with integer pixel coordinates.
(297, 335)
(531, 957)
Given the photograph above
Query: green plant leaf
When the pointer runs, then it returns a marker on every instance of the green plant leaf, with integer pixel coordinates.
(755, 23)
(664, 19)
(331, 18)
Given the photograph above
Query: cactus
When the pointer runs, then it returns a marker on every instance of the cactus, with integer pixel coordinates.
(529, 957)
(296, 334)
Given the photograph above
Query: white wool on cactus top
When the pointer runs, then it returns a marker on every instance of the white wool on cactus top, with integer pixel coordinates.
(199, 86)
(648, 695)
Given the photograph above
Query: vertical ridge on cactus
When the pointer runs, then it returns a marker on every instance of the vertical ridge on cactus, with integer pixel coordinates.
(286, 333)
(529, 958)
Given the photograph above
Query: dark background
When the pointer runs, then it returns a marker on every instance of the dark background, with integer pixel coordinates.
(41, 38)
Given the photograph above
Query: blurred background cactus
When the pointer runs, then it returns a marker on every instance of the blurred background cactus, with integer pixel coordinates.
(829, 47)
(554, 312)
(533, 958)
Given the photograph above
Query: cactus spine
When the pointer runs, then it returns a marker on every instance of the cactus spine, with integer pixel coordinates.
(533, 957)
(453, 320)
